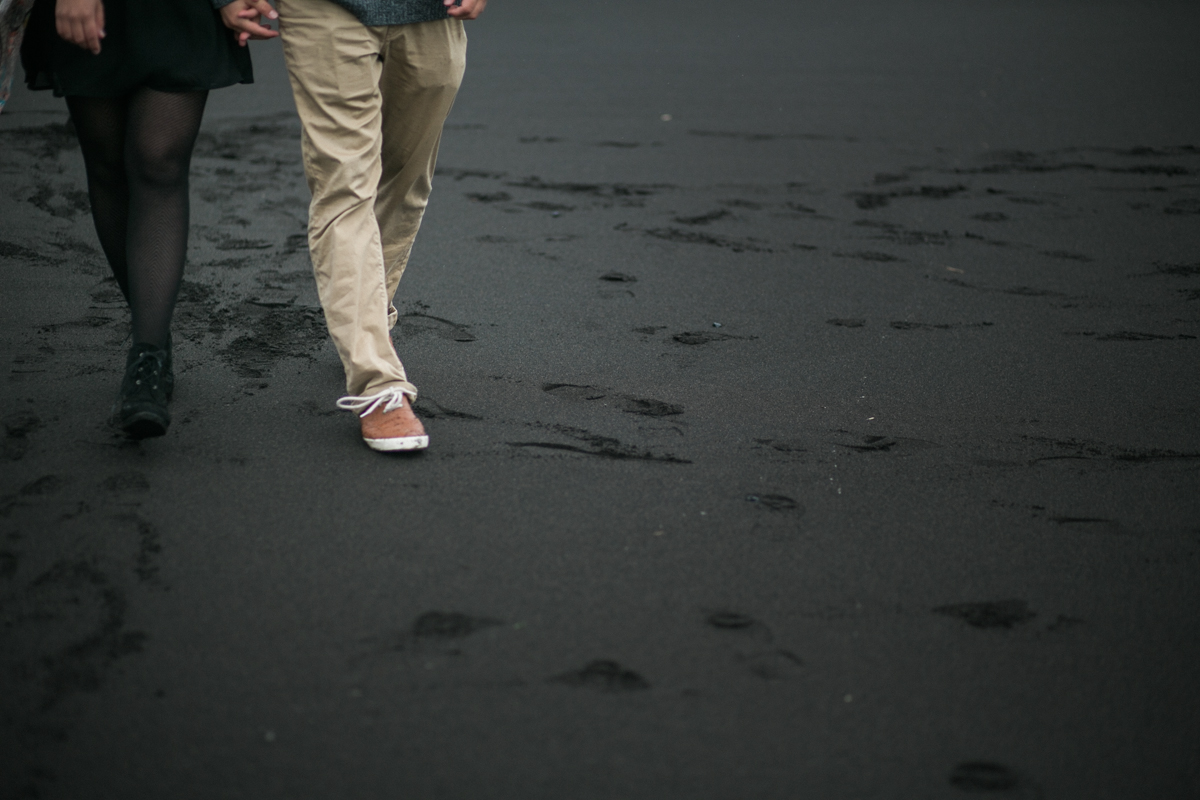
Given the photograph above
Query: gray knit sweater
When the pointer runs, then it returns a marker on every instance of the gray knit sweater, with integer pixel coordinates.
(383, 12)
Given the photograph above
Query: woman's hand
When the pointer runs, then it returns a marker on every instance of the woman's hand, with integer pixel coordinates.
(244, 17)
(80, 22)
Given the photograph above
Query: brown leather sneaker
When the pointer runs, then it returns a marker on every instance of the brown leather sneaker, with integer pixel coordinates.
(388, 421)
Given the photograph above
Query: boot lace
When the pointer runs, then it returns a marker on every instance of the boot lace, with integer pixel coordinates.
(147, 371)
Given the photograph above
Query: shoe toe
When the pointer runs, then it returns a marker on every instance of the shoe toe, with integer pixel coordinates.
(394, 431)
(144, 425)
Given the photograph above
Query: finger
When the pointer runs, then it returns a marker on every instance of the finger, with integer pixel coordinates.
(93, 36)
(253, 13)
(255, 30)
(264, 8)
(100, 19)
(79, 33)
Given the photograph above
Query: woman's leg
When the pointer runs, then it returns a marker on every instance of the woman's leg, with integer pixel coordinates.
(160, 132)
(100, 125)
(137, 150)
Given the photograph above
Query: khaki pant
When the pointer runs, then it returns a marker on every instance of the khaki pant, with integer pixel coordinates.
(372, 101)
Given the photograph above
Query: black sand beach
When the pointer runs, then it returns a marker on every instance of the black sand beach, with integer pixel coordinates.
(813, 396)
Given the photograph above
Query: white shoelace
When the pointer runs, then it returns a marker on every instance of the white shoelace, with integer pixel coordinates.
(390, 399)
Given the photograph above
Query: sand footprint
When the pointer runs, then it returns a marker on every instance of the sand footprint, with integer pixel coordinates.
(592, 444)
(988, 776)
(427, 408)
(759, 657)
(874, 443)
(602, 675)
(630, 404)
(415, 323)
(995, 614)
(432, 630)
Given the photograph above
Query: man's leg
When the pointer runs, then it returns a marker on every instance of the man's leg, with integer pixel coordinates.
(334, 66)
(423, 67)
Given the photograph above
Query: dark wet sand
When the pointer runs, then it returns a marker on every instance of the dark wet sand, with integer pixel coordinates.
(919, 519)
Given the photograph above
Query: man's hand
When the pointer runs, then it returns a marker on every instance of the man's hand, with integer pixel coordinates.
(245, 17)
(80, 22)
(466, 9)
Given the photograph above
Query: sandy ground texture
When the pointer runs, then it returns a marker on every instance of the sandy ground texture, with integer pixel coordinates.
(812, 391)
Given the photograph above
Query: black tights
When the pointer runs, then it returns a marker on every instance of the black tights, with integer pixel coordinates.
(137, 150)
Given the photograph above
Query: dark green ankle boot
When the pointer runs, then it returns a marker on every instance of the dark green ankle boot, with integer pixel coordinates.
(142, 408)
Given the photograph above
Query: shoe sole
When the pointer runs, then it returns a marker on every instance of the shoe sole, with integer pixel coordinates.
(398, 445)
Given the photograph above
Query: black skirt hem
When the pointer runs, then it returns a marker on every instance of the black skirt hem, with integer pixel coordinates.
(43, 82)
